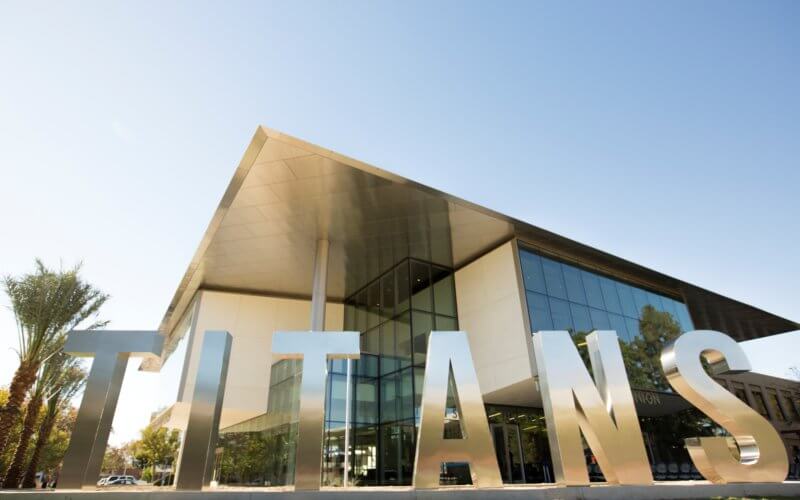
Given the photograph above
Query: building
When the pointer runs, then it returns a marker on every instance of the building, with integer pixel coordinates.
(777, 400)
(405, 259)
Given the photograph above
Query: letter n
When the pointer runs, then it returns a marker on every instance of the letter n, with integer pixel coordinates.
(573, 404)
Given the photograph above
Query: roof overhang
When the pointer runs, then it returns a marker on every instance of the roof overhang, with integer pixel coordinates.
(286, 194)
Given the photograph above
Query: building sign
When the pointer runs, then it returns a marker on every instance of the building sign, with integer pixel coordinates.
(603, 410)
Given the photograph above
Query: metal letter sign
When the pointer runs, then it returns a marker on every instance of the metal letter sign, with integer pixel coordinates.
(449, 352)
(761, 454)
(314, 348)
(200, 438)
(607, 418)
(111, 350)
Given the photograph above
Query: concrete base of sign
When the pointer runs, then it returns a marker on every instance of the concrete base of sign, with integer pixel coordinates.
(672, 489)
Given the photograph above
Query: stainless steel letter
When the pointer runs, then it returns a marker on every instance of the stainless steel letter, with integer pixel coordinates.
(111, 350)
(446, 351)
(200, 440)
(573, 404)
(761, 454)
(314, 348)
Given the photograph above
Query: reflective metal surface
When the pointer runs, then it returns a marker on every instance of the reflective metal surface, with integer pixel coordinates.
(319, 287)
(605, 414)
(315, 349)
(286, 194)
(449, 352)
(95, 464)
(196, 458)
(757, 453)
(111, 350)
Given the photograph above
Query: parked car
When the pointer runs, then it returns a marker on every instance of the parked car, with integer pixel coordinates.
(116, 481)
(123, 480)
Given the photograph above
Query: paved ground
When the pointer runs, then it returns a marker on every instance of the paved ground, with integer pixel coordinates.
(672, 489)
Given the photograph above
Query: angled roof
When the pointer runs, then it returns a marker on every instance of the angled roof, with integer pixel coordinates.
(286, 194)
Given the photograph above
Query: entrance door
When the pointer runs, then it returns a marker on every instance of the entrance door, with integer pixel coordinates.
(508, 448)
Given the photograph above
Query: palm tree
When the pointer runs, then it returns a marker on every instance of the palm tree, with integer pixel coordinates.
(68, 378)
(46, 304)
(60, 376)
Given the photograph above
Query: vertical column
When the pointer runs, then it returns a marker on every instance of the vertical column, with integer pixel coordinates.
(319, 287)
(93, 421)
(104, 428)
(200, 440)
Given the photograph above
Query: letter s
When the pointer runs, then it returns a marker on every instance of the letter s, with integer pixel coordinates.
(756, 452)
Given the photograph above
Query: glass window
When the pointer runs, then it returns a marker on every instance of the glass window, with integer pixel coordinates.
(559, 309)
(787, 399)
(397, 444)
(539, 312)
(387, 298)
(367, 364)
(626, 299)
(633, 328)
(404, 343)
(580, 318)
(349, 316)
(599, 319)
(365, 407)
(554, 279)
(403, 287)
(761, 406)
(594, 295)
(365, 455)
(374, 303)
(421, 324)
(361, 311)
(337, 391)
(572, 278)
(669, 307)
(444, 293)
(389, 361)
(740, 393)
(683, 317)
(640, 297)
(421, 286)
(532, 274)
(371, 341)
(618, 325)
(655, 301)
(446, 324)
(610, 297)
(397, 396)
(776, 406)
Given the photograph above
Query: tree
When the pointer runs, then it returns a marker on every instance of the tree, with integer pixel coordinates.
(63, 378)
(794, 372)
(53, 451)
(6, 454)
(55, 372)
(156, 447)
(643, 354)
(46, 305)
(115, 460)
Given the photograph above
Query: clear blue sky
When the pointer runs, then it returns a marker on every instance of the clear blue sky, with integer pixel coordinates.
(666, 133)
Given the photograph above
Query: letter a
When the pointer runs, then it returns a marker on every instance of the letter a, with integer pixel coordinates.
(450, 351)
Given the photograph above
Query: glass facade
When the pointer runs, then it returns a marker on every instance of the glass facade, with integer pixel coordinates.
(563, 296)
(395, 313)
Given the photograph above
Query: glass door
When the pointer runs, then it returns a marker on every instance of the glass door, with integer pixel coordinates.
(508, 448)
